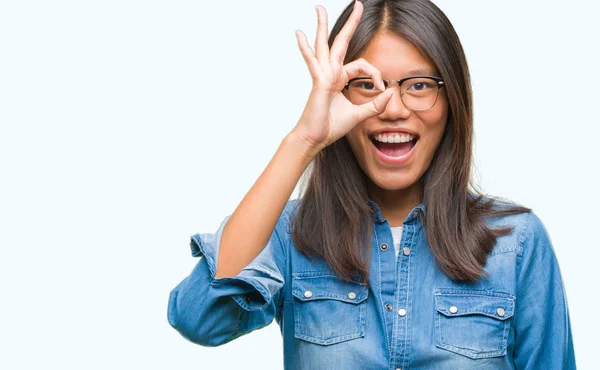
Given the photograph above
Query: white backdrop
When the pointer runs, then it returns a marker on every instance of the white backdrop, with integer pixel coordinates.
(127, 126)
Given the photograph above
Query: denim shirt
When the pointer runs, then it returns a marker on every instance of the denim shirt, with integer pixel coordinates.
(412, 316)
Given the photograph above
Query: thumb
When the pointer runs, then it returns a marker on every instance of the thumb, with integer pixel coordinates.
(375, 106)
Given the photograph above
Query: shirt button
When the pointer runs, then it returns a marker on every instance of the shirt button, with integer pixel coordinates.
(406, 251)
(351, 295)
(500, 311)
(383, 247)
(402, 312)
(388, 306)
(248, 298)
(308, 294)
(453, 309)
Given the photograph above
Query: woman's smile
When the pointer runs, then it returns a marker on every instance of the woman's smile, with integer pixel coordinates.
(393, 147)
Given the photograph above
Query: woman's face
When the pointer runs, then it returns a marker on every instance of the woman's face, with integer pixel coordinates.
(394, 57)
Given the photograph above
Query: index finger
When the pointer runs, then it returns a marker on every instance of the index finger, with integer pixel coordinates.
(340, 44)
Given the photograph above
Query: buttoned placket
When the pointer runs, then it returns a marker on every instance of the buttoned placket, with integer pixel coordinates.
(395, 281)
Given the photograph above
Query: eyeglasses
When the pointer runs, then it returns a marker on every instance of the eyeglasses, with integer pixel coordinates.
(416, 92)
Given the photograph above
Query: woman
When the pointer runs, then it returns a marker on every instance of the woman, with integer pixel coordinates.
(387, 260)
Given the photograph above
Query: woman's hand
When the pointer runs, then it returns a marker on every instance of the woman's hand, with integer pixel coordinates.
(328, 115)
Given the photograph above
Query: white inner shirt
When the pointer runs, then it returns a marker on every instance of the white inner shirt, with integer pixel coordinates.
(397, 235)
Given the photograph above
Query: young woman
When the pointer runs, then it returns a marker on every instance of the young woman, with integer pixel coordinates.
(388, 259)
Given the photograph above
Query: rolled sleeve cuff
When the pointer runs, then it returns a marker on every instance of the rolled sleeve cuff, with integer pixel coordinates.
(253, 288)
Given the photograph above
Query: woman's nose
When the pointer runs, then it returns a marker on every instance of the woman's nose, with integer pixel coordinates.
(395, 108)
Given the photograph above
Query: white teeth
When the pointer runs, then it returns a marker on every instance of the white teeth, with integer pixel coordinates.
(394, 138)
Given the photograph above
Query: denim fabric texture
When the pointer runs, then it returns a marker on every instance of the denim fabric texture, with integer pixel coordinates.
(412, 316)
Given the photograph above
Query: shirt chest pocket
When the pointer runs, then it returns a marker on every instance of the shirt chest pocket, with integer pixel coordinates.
(473, 323)
(327, 309)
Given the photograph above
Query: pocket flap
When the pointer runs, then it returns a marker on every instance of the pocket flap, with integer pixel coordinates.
(493, 304)
(309, 288)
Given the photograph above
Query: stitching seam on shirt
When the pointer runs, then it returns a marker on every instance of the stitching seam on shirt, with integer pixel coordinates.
(523, 234)
(284, 249)
(518, 264)
(387, 340)
(408, 302)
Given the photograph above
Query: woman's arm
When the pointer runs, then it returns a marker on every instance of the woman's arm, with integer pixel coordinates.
(253, 221)
(542, 325)
(211, 309)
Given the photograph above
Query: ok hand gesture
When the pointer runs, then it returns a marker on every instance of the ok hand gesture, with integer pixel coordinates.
(328, 114)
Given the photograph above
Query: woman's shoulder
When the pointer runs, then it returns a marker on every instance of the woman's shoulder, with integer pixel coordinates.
(527, 226)
(291, 207)
(284, 225)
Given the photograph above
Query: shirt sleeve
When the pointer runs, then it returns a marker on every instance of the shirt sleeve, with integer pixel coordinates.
(543, 337)
(212, 311)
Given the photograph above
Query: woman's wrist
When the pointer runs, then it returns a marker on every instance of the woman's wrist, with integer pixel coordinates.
(302, 145)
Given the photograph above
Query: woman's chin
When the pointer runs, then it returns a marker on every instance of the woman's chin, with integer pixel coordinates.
(387, 181)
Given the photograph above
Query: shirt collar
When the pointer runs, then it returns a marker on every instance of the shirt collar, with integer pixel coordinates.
(412, 215)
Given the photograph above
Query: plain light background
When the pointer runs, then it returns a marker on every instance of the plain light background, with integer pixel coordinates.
(127, 126)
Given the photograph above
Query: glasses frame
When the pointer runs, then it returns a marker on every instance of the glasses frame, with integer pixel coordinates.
(439, 81)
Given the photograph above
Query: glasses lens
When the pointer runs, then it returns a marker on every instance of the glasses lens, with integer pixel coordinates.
(419, 93)
(362, 89)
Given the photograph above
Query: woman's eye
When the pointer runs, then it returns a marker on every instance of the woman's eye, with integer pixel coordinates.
(367, 85)
(420, 86)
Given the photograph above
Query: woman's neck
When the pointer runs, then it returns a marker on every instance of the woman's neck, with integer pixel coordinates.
(395, 205)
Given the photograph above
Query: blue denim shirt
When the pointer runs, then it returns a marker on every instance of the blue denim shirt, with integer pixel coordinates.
(411, 317)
